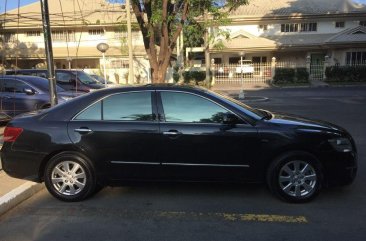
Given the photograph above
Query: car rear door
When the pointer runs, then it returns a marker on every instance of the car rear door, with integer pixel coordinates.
(196, 144)
(121, 133)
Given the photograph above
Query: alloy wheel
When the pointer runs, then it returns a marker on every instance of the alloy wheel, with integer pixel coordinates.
(298, 179)
(68, 178)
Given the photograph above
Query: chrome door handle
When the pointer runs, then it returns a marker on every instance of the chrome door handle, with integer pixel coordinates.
(172, 133)
(83, 130)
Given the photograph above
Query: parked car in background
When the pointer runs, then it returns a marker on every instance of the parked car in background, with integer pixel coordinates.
(19, 94)
(102, 81)
(4, 119)
(245, 67)
(174, 133)
(72, 80)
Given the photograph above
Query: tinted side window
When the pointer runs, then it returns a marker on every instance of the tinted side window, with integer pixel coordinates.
(63, 77)
(93, 112)
(135, 106)
(14, 86)
(183, 107)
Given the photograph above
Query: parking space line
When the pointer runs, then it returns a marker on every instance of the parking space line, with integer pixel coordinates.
(235, 217)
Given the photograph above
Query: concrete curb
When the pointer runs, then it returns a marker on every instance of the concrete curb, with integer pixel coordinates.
(18, 195)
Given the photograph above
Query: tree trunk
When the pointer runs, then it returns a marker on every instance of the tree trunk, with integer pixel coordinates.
(159, 61)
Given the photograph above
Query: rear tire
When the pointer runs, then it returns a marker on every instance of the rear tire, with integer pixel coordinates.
(70, 177)
(295, 177)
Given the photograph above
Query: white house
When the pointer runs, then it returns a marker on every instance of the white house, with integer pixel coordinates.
(296, 31)
(76, 31)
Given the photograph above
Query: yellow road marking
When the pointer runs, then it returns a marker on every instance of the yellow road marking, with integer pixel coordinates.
(235, 217)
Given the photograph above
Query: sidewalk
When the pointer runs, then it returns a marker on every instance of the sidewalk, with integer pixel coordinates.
(14, 191)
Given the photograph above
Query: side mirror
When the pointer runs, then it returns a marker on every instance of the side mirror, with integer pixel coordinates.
(230, 119)
(29, 91)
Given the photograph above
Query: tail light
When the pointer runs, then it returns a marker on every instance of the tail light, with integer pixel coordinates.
(12, 133)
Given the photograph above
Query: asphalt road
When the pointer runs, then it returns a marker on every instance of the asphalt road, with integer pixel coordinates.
(213, 211)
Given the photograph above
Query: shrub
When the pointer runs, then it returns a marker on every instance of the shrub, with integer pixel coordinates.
(302, 75)
(284, 75)
(291, 75)
(345, 73)
(196, 76)
(176, 77)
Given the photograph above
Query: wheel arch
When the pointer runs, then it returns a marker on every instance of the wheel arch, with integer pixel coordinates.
(286, 151)
(48, 157)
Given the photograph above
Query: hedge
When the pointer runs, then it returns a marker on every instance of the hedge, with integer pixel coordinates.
(302, 75)
(197, 76)
(345, 73)
(291, 75)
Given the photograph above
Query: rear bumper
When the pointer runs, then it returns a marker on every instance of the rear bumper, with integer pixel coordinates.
(22, 165)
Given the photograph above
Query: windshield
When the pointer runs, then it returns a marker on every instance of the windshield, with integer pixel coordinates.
(84, 77)
(253, 113)
(43, 84)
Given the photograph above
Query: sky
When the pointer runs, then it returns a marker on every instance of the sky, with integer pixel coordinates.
(11, 4)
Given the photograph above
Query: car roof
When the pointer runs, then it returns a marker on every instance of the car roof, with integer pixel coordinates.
(37, 82)
(26, 78)
(41, 70)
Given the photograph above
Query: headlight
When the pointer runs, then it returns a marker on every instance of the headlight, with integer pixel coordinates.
(341, 144)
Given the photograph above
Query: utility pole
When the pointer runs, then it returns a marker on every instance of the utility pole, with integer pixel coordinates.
(49, 51)
(129, 43)
(207, 52)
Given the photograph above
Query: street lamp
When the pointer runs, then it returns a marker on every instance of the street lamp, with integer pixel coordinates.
(69, 60)
(103, 47)
(241, 93)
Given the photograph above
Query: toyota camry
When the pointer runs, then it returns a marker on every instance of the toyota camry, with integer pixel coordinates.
(174, 133)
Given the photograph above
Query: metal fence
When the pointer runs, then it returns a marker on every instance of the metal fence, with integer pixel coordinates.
(261, 72)
(236, 73)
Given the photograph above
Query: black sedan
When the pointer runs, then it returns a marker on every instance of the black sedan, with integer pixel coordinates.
(161, 132)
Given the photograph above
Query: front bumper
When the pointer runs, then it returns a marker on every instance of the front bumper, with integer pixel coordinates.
(340, 168)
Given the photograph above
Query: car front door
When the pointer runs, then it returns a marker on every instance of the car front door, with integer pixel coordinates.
(14, 99)
(120, 132)
(197, 144)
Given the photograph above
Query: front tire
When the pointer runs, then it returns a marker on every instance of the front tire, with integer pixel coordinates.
(295, 177)
(70, 177)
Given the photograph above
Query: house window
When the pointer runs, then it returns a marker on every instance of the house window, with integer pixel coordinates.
(308, 27)
(234, 60)
(289, 27)
(355, 58)
(120, 64)
(295, 27)
(61, 35)
(118, 34)
(363, 23)
(217, 60)
(339, 24)
(8, 37)
(259, 59)
(96, 32)
(263, 27)
(33, 33)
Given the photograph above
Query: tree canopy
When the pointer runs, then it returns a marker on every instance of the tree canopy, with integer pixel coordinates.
(161, 23)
